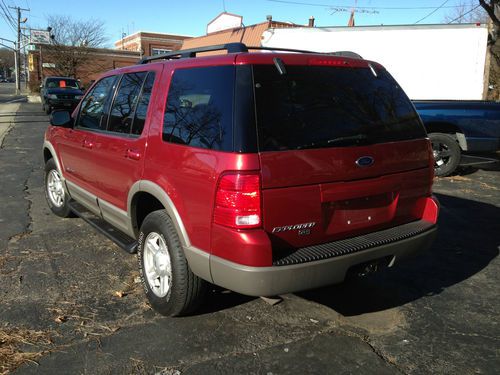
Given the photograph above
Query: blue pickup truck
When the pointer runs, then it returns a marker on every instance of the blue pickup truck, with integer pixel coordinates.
(459, 128)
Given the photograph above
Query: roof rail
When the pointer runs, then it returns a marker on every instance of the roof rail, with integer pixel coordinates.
(281, 49)
(337, 53)
(234, 48)
(350, 54)
(189, 53)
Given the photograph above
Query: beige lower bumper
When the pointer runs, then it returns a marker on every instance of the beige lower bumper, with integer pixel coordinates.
(270, 281)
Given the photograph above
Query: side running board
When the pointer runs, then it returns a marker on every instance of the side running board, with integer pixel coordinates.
(124, 241)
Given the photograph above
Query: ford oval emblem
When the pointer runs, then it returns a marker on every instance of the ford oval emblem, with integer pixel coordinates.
(364, 161)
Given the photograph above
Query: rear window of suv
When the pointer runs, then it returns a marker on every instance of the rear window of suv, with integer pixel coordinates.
(318, 106)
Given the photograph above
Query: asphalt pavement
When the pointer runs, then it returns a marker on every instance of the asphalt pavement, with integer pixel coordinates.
(74, 295)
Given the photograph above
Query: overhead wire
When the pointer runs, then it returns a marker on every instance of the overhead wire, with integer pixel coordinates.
(434, 11)
(8, 16)
(466, 13)
(363, 7)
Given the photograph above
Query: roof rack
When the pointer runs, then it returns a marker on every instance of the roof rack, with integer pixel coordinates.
(337, 53)
(190, 53)
(234, 48)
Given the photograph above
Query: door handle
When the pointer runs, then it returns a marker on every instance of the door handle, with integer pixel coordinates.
(88, 144)
(133, 154)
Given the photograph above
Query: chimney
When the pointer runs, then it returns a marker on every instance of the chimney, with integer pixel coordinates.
(269, 19)
(311, 22)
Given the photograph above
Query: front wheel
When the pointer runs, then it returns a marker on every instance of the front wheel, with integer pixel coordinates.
(171, 287)
(56, 195)
(446, 152)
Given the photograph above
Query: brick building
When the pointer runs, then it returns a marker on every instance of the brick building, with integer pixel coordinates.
(150, 44)
(46, 60)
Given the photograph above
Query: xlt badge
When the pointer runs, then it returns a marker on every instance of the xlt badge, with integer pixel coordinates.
(298, 227)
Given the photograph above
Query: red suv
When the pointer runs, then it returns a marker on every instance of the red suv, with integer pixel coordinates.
(264, 173)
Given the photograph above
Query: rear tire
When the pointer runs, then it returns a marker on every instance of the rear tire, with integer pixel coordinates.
(171, 287)
(446, 153)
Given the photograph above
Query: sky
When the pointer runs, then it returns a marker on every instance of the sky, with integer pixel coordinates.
(190, 17)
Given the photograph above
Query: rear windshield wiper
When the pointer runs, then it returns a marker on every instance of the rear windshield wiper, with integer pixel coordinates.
(348, 141)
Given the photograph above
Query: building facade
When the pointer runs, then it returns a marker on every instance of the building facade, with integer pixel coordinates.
(85, 64)
(150, 44)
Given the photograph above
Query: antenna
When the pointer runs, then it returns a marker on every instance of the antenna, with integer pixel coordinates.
(224, 5)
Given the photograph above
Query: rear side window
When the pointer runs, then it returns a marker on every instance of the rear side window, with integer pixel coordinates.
(317, 106)
(122, 110)
(95, 104)
(142, 106)
(199, 110)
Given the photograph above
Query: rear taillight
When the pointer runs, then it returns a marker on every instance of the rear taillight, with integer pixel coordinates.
(238, 201)
(431, 161)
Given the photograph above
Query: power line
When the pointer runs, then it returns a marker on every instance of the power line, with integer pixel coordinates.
(7, 16)
(7, 21)
(361, 7)
(466, 13)
(431, 13)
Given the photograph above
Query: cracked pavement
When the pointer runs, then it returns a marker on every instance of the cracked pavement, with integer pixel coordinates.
(435, 314)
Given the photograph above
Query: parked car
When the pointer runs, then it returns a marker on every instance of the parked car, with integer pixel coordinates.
(459, 129)
(263, 173)
(60, 92)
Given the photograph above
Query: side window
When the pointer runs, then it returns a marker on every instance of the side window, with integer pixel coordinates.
(199, 110)
(93, 106)
(142, 106)
(122, 110)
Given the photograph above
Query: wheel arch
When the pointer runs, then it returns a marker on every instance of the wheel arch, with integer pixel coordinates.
(447, 128)
(49, 152)
(144, 197)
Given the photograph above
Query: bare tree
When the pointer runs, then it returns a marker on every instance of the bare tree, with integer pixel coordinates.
(492, 8)
(467, 11)
(73, 42)
(6, 60)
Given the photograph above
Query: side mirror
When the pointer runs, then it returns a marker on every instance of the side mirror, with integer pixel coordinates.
(61, 118)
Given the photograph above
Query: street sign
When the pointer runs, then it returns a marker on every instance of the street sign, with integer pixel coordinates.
(48, 65)
(31, 47)
(40, 36)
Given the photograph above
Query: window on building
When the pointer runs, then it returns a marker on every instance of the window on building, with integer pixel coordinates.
(122, 110)
(95, 104)
(199, 108)
(159, 51)
(142, 106)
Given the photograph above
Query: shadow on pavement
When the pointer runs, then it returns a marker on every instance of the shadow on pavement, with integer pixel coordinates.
(492, 165)
(468, 240)
(219, 299)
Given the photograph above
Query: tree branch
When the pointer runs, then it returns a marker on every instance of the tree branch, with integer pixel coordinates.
(490, 9)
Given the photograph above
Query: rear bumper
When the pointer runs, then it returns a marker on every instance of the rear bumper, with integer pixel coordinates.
(270, 281)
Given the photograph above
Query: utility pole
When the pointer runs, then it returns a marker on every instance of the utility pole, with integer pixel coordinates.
(18, 46)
